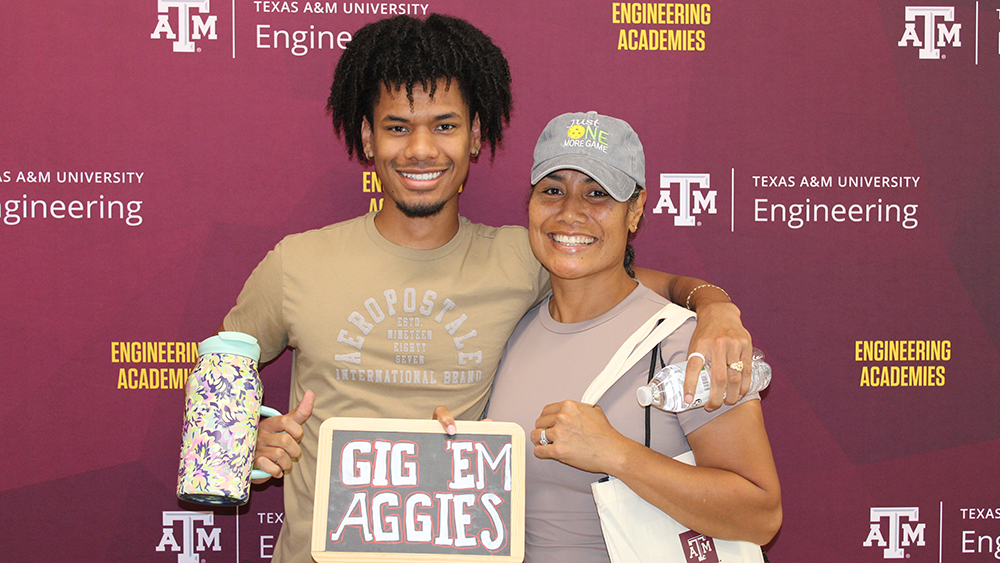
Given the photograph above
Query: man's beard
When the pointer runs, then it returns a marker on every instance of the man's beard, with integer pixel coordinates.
(421, 210)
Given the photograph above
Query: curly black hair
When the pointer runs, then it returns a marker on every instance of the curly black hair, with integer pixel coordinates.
(404, 51)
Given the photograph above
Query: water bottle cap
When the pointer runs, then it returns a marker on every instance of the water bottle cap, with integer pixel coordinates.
(644, 395)
(231, 342)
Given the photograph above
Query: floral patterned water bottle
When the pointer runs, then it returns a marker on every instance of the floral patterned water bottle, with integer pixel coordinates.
(221, 413)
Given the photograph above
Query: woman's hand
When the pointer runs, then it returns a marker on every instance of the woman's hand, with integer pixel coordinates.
(720, 338)
(580, 435)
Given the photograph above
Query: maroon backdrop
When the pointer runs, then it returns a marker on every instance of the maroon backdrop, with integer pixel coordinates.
(834, 167)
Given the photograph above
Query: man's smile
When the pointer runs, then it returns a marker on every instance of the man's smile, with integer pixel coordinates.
(424, 177)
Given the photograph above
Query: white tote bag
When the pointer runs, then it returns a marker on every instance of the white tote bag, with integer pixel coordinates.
(634, 530)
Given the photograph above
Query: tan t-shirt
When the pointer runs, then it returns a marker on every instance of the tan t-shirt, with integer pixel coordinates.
(378, 330)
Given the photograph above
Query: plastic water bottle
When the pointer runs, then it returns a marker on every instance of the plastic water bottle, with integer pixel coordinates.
(666, 390)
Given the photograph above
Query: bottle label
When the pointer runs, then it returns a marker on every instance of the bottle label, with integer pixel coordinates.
(672, 386)
(702, 389)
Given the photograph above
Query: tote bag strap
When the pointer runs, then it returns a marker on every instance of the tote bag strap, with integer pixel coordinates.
(643, 340)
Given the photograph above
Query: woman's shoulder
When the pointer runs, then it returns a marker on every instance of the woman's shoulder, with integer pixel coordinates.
(647, 300)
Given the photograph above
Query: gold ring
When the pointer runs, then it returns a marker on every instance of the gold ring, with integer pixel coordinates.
(737, 366)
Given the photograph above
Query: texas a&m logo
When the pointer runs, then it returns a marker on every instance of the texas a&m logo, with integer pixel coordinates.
(900, 534)
(936, 31)
(685, 195)
(698, 548)
(194, 525)
(189, 26)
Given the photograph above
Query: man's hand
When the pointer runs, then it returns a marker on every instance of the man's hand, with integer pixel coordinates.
(443, 415)
(278, 439)
(721, 339)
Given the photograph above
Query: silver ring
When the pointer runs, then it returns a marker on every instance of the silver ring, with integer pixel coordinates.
(542, 440)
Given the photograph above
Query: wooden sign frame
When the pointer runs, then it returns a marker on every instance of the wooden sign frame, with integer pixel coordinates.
(328, 475)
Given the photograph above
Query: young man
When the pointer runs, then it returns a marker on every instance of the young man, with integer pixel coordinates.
(396, 312)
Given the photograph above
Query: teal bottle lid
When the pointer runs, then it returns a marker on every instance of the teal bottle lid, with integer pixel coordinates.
(231, 342)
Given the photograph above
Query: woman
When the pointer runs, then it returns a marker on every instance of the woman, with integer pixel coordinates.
(586, 200)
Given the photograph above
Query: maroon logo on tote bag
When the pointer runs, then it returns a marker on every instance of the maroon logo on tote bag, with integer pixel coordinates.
(698, 548)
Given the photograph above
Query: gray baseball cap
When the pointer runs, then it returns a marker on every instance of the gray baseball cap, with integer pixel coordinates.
(604, 148)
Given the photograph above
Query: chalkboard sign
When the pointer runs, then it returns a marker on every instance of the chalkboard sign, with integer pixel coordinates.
(403, 490)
